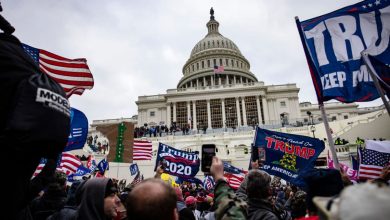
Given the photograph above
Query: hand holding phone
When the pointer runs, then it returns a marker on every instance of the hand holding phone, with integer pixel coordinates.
(208, 152)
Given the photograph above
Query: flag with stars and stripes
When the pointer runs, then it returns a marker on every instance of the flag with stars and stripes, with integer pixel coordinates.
(208, 183)
(372, 163)
(40, 166)
(69, 163)
(142, 150)
(72, 74)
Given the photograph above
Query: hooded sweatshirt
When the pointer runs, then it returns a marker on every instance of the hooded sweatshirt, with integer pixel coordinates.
(92, 199)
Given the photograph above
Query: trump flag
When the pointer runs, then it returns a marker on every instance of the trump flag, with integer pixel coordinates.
(333, 44)
(287, 155)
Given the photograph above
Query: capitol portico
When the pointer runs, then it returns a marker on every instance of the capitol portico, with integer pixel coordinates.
(232, 98)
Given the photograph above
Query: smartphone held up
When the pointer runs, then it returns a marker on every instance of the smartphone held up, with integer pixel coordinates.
(208, 152)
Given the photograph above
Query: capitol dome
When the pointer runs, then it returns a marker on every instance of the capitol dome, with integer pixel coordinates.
(215, 51)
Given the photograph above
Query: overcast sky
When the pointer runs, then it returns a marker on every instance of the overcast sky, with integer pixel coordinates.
(137, 48)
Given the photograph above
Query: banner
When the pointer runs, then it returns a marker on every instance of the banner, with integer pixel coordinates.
(103, 166)
(178, 163)
(333, 44)
(78, 130)
(287, 155)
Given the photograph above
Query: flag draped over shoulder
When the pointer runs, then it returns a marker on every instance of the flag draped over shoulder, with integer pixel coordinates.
(72, 74)
(142, 150)
(373, 159)
(287, 155)
(333, 44)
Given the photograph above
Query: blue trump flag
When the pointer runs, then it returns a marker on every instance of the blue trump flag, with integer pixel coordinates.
(178, 163)
(333, 44)
(287, 155)
(134, 169)
(195, 180)
(103, 166)
(78, 130)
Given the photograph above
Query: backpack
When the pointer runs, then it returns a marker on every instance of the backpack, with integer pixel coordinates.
(37, 112)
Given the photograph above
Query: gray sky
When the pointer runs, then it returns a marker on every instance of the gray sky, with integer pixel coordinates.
(137, 48)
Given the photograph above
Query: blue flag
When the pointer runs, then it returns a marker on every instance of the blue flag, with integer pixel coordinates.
(333, 44)
(78, 130)
(133, 169)
(287, 155)
(103, 166)
(195, 180)
(178, 163)
(227, 167)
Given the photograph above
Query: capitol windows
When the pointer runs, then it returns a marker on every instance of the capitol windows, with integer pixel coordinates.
(208, 63)
(197, 66)
(223, 44)
(345, 116)
(152, 114)
(227, 62)
(216, 113)
(181, 114)
(217, 43)
(202, 64)
(282, 104)
(232, 63)
(208, 43)
(230, 112)
(251, 110)
(213, 44)
(201, 114)
(220, 62)
(237, 63)
(192, 67)
(214, 62)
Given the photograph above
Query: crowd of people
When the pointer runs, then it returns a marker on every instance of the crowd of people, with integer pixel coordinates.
(259, 196)
(160, 130)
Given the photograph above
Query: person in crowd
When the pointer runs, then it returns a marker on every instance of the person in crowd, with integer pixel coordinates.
(259, 190)
(229, 206)
(321, 182)
(98, 200)
(53, 199)
(184, 212)
(190, 202)
(152, 199)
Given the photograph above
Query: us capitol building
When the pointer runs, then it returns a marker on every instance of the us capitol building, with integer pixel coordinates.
(233, 98)
(223, 108)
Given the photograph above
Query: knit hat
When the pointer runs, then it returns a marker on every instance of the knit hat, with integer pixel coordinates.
(322, 182)
(190, 200)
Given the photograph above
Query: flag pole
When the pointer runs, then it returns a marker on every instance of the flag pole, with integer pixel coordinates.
(374, 75)
(330, 138)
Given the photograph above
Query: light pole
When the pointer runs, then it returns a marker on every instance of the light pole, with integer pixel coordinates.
(313, 129)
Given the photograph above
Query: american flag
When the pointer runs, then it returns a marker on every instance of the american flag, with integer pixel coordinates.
(372, 163)
(219, 69)
(40, 166)
(72, 74)
(137, 179)
(69, 163)
(142, 150)
(208, 182)
(234, 180)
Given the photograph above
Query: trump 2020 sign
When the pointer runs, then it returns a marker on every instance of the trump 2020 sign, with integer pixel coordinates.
(333, 44)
